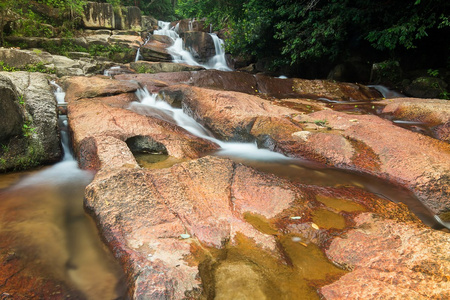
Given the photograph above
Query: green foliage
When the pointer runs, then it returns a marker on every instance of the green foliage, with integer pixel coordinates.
(305, 30)
(321, 123)
(27, 130)
(433, 73)
(4, 67)
(144, 69)
(37, 67)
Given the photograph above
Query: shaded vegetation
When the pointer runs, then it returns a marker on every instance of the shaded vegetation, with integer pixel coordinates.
(292, 32)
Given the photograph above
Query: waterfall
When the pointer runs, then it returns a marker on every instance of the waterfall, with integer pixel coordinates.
(386, 92)
(59, 93)
(218, 61)
(181, 55)
(162, 110)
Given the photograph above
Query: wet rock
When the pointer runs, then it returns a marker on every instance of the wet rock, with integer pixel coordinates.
(155, 51)
(156, 222)
(38, 140)
(96, 86)
(92, 120)
(230, 115)
(365, 143)
(162, 39)
(158, 67)
(144, 227)
(434, 113)
(390, 260)
(200, 44)
(273, 87)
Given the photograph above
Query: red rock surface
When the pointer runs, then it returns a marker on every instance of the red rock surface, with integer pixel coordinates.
(96, 86)
(390, 260)
(145, 213)
(262, 85)
(360, 142)
(433, 113)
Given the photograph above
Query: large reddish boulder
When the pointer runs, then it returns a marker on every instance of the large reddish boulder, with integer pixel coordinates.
(214, 227)
(96, 86)
(433, 113)
(264, 85)
(359, 142)
(92, 120)
(390, 260)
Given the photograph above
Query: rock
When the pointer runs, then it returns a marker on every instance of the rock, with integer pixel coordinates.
(273, 87)
(162, 39)
(187, 25)
(38, 142)
(98, 16)
(166, 225)
(200, 44)
(426, 87)
(96, 86)
(390, 260)
(366, 143)
(158, 67)
(129, 17)
(230, 115)
(155, 51)
(433, 113)
(148, 23)
(19, 58)
(11, 118)
(92, 116)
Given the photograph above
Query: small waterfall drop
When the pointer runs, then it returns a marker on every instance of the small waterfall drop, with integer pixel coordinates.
(181, 55)
(386, 92)
(59, 93)
(162, 110)
(218, 61)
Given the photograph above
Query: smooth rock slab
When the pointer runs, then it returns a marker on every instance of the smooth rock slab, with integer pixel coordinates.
(390, 260)
(154, 219)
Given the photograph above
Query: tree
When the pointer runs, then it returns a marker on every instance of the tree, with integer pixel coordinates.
(293, 32)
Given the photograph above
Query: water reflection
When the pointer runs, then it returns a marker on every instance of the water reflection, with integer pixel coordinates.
(310, 173)
(42, 214)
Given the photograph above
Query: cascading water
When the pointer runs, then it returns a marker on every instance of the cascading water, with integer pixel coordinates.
(163, 110)
(181, 55)
(51, 230)
(266, 160)
(386, 92)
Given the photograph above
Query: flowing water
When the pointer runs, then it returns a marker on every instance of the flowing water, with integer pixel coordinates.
(272, 162)
(42, 213)
(181, 55)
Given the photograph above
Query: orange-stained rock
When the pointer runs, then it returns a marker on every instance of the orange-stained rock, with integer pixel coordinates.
(390, 260)
(153, 220)
(100, 118)
(96, 86)
(263, 85)
(433, 113)
(230, 115)
(365, 143)
(155, 51)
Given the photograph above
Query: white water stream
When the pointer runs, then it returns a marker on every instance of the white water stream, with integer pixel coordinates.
(249, 153)
(161, 109)
(181, 55)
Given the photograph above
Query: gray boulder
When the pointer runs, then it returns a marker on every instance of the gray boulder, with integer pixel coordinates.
(11, 118)
(38, 141)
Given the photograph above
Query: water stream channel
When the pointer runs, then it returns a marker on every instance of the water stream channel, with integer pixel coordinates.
(42, 211)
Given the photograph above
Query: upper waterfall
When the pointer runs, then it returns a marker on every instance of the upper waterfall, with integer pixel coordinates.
(180, 54)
